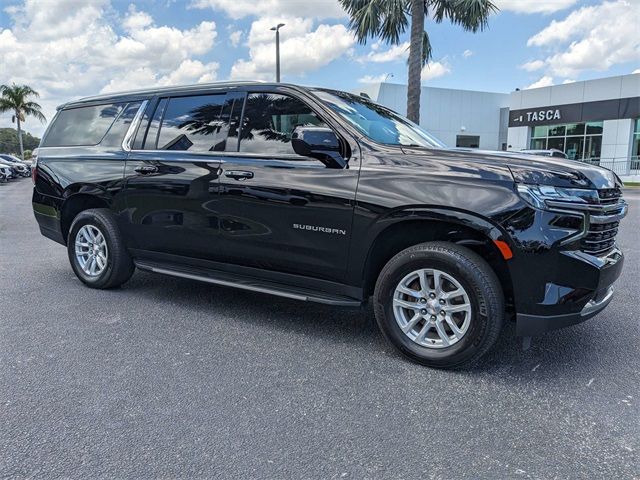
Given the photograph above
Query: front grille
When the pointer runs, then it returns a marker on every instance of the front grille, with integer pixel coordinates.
(600, 238)
(609, 196)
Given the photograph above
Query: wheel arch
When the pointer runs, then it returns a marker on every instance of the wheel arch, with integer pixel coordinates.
(73, 205)
(419, 226)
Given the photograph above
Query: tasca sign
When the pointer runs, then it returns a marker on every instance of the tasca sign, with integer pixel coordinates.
(576, 112)
(545, 115)
(542, 115)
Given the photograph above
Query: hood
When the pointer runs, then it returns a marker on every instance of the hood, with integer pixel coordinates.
(539, 170)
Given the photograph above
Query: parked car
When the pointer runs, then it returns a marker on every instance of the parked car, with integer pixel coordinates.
(21, 167)
(14, 173)
(5, 173)
(324, 196)
(552, 152)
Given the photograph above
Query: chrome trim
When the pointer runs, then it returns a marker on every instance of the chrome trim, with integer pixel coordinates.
(133, 128)
(593, 306)
(586, 206)
(624, 208)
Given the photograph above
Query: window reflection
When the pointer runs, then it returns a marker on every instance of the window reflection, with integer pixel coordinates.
(82, 126)
(377, 122)
(194, 124)
(269, 120)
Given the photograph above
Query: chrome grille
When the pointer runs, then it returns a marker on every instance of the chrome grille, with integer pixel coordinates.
(600, 238)
(604, 222)
(609, 196)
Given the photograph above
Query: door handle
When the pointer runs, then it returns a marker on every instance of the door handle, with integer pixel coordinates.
(146, 169)
(238, 174)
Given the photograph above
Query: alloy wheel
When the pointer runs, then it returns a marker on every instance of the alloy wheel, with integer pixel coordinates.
(91, 250)
(432, 308)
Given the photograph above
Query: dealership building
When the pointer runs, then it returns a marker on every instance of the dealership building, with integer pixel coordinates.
(595, 121)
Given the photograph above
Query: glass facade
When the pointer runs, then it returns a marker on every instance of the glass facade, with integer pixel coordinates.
(580, 141)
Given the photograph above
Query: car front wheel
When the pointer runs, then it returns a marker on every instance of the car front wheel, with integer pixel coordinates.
(440, 304)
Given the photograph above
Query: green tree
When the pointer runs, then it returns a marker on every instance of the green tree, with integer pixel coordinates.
(17, 99)
(389, 19)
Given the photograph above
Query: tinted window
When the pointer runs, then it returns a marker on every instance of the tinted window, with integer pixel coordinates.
(269, 120)
(194, 124)
(118, 130)
(82, 126)
(150, 136)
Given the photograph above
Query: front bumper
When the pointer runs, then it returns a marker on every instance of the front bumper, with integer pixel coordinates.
(531, 325)
(591, 282)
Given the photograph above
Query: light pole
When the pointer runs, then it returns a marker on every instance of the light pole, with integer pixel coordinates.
(277, 30)
(387, 77)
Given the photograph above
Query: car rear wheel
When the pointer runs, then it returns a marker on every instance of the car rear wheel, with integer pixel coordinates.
(440, 304)
(96, 250)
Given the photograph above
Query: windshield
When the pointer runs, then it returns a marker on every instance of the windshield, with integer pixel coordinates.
(377, 122)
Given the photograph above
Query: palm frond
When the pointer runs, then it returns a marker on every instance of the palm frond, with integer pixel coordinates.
(386, 19)
(472, 15)
(16, 98)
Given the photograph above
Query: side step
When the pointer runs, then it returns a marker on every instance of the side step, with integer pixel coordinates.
(247, 283)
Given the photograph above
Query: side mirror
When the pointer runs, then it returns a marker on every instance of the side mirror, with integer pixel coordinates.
(318, 142)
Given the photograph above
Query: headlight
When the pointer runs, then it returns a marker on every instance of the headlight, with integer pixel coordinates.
(543, 196)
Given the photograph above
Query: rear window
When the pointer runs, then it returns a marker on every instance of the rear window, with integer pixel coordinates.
(82, 126)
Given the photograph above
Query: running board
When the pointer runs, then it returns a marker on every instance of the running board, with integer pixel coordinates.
(247, 283)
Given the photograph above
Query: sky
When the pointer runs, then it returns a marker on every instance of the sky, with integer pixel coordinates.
(67, 49)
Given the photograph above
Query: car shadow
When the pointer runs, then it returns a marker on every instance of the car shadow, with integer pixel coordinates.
(358, 326)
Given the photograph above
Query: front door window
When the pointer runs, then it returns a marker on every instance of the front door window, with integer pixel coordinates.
(269, 120)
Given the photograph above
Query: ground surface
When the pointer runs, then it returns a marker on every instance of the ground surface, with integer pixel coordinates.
(168, 377)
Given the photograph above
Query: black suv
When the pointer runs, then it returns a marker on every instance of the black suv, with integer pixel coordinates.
(325, 196)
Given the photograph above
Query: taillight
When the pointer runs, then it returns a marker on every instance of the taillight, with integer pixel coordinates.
(34, 169)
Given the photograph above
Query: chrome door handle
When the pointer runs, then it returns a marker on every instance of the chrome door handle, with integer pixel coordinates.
(146, 169)
(238, 174)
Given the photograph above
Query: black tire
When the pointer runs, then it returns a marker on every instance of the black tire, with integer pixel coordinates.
(475, 276)
(119, 266)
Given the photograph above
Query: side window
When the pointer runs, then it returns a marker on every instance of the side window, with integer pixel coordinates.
(269, 120)
(118, 130)
(82, 125)
(194, 124)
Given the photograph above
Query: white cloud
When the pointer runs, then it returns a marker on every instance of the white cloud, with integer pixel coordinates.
(467, 53)
(533, 65)
(393, 53)
(591, 38)
(544, 81)
(434, 70)
(136, 20)
(303, 8)
(302, 48)
(235, 37)
(637, 70)
(534, 6)
(373, 79)
(189, 71)
(568, 81)
(66, 49)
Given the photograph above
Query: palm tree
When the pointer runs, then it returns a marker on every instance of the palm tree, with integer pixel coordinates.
(15, 98)
(389, 19)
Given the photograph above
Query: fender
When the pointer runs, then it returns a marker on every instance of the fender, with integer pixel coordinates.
(361, 251)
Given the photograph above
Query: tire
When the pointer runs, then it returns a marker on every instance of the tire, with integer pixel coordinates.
(481, 305)
(118, 267)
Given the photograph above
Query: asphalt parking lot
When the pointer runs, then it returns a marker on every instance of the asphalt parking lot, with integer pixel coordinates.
(173, 378)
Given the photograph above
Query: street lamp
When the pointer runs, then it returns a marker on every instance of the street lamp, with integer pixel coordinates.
(387, 77)
(277, 30)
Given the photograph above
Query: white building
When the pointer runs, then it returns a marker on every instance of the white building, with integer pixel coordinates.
(596, 121)
(460, 118)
